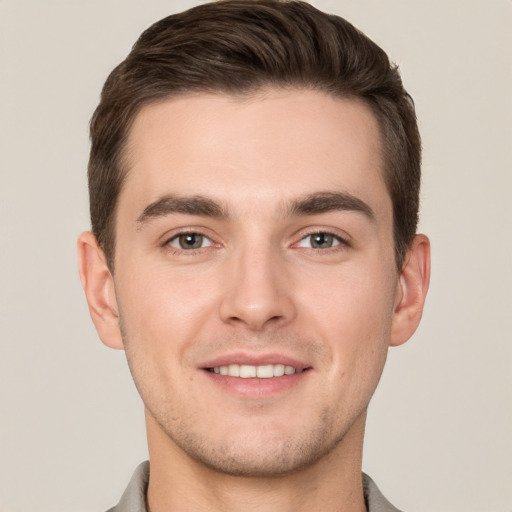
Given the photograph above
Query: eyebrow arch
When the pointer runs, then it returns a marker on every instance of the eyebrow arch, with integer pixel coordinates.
(189, 205)
(311, 204)
(322, 202)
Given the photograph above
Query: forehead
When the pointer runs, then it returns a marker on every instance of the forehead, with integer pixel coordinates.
(253, 150)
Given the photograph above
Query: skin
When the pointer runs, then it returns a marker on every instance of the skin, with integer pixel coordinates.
(257, 288)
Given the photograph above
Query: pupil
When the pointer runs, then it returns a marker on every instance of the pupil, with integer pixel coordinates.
(322, 240)
(191, 241)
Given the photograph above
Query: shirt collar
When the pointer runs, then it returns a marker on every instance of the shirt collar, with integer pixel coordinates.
(134, 498)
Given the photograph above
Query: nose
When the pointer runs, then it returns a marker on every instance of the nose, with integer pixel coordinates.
(256, 291)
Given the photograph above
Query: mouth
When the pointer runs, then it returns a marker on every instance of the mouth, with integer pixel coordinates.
(257, 376)
(246, 371)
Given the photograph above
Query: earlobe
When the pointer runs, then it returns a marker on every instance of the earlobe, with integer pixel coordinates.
(98, 285)
(412, 289)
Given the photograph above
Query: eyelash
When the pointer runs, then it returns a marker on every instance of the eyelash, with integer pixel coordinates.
(340, 243)
(179, 250)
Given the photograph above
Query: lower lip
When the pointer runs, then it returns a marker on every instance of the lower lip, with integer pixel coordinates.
(258, 388)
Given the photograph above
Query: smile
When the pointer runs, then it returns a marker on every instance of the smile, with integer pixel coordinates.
(246, 371)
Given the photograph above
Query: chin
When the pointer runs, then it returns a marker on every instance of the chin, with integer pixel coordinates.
(271, 462)
(260, 453)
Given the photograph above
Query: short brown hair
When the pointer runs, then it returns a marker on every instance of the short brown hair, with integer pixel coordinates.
(237, 47)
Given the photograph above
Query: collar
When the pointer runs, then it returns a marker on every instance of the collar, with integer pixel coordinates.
(134, 498)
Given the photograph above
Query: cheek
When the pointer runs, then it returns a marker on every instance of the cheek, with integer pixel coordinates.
(358, 301)
(353, 315)
(357, 324)
(160, 310)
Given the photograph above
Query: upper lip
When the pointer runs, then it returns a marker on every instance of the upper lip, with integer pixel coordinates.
(254, 360)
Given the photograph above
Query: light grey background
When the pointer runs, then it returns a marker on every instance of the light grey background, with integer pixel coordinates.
(71, 427)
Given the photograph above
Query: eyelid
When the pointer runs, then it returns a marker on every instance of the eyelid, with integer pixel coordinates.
(336, 241)
(179, 235)
(177, 232)
(343, 238)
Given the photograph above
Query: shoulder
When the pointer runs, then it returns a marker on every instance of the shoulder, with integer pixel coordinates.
(134, 497)
(375, 500)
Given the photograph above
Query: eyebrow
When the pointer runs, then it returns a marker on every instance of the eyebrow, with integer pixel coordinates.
(323, 202)
(311, 204)
(189, 205)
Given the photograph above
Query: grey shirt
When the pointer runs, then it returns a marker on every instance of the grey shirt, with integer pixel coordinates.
(134, 498)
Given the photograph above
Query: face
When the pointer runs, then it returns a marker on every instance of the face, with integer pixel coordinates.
(255, 277)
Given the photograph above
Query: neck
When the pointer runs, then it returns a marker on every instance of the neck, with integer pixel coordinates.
(178, 482)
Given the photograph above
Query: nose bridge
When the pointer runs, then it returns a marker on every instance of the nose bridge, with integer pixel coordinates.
(256, 292)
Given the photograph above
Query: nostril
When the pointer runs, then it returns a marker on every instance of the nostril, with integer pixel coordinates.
(254, 304)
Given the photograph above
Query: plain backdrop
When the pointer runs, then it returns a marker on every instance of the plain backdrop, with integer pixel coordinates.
(71, 424)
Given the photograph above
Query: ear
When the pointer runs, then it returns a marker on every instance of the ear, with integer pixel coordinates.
(98, 285)
(412, 289)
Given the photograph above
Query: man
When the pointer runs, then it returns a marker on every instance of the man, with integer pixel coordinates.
(254, 179)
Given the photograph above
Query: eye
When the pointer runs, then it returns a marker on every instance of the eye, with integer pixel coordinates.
(189, 241)
(320, 240)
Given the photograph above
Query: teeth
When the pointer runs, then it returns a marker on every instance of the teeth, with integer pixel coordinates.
(265, 372)
(234, 370)
(246, 371)
(279, 370)
(288, 370)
